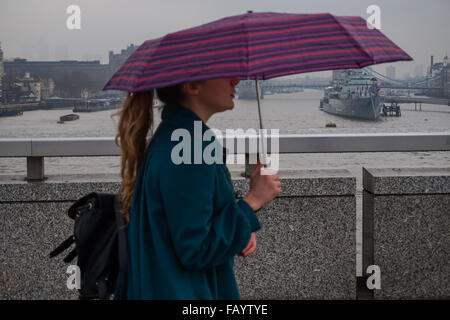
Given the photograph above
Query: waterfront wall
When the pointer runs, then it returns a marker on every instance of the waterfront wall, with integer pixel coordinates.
(306, 247)
(305, 250)
(406, 231)
(33, 220)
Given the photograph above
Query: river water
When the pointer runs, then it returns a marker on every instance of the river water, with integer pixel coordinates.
(295, 113)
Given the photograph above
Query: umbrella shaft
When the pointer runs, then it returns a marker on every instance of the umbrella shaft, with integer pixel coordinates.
(260, 124)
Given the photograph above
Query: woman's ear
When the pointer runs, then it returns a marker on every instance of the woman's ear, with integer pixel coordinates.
(191, 88)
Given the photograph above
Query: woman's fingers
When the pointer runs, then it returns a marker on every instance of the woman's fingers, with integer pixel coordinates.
(249, 250)
(257, 169)
(247, 247)
(251, 247)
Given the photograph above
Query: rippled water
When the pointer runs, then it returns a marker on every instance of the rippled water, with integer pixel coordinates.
(290, 113)
(296, 113)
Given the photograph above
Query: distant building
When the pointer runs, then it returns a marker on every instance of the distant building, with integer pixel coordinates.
(47, 88)
(439, 75)
(1, 74)
(418, 71)
(445, 61)
(390, 72)
(70, 77)
(446, 77)
(21, 89)
(117, 59)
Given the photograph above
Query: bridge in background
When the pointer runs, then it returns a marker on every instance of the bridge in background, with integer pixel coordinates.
(246, 88)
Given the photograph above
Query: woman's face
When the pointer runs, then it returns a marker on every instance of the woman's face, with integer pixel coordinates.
(218, 94)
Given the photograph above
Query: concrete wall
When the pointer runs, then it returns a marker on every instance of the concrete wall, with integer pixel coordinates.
(306, 248)
(33, 221)
(406, 231)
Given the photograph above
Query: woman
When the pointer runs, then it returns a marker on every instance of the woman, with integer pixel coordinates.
(185, 225)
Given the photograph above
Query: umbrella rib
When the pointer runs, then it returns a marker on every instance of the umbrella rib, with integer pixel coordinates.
(353, 40)
(247, 62)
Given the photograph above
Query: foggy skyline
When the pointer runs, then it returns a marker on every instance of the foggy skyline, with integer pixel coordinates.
(36, 30)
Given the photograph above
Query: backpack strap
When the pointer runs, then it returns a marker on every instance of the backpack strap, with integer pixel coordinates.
(63, 246)
(123, 250)
(72, 254)
(86, 202)
(75, 210)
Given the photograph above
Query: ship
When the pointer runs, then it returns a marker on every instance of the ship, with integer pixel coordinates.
(352, 93)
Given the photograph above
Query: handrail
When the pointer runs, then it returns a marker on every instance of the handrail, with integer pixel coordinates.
(35, 149)
(288, 143)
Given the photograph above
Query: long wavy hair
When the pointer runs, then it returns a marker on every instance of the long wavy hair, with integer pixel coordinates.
(135, 123)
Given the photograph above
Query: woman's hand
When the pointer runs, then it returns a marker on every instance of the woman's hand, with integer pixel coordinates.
(251, 246)
(263, 188)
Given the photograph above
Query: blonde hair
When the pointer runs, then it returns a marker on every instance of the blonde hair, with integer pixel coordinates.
(136, 119)
(135, 122)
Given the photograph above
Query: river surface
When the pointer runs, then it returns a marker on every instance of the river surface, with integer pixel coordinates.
(295, 113)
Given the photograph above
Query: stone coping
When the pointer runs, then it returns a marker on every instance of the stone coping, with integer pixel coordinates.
(431, 180)
(333, 182)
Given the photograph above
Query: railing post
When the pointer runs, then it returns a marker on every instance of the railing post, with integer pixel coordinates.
(249, 167)
(35, 168)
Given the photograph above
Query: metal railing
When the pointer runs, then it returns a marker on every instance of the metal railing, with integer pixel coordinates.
(36, 149)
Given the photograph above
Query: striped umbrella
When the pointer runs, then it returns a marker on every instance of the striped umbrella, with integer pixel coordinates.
(255, 46)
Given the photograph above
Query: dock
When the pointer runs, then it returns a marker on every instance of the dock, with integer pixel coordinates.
(395, 100)
(416, 100)
(18, 109)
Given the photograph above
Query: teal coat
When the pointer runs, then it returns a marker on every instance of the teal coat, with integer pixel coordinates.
(186, 226)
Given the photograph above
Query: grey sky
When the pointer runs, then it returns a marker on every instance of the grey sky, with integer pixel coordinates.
(36, 29)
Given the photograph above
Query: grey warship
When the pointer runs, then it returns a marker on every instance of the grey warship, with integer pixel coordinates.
(352, 93)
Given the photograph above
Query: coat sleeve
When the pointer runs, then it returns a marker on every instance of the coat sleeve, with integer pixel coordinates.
(202, 238)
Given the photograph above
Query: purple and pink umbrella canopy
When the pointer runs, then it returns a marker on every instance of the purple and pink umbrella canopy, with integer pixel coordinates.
(255, 46)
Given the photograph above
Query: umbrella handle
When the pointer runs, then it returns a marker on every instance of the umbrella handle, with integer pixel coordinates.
(260, 123)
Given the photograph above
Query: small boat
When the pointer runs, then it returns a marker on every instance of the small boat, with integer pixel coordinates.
(68, 117)
(330, 124)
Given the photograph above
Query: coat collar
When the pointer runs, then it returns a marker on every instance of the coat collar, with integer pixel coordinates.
(179, 112)
(179, 116)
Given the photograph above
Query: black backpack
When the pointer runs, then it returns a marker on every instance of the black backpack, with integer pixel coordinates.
(100, 244)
